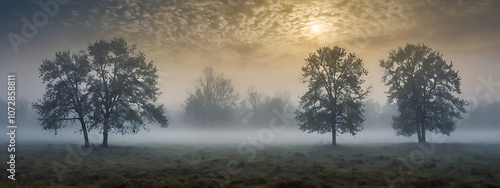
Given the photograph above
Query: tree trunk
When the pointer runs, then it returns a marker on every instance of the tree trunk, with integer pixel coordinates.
(85, 133)
(334, 136)
(334, 132)
(105, 138)
(422, 123)
(423, 133)
(254, 115)
(418, 134)
(105, 133)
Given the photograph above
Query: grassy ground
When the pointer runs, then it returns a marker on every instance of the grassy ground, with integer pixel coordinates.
(376, 165)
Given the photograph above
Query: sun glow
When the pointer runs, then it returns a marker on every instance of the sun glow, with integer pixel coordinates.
(315, 28)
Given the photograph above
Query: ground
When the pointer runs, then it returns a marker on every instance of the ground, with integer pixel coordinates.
(355, 165)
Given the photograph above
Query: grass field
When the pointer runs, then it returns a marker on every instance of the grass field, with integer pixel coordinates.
(355, 165)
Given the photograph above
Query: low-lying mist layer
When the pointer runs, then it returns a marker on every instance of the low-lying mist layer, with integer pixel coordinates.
(263, 136)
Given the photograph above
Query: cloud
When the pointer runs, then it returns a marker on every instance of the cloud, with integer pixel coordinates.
(253, 28)
(205, 25)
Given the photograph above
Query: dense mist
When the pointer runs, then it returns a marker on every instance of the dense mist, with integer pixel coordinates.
(480, 125)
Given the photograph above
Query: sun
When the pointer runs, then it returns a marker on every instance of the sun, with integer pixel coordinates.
(315, 28)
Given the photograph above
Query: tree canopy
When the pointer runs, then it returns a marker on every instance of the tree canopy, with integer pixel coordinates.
(110, 88)
(423, 86)
(66, 98)
(213, 99)
(263, 105)
(333, 100)
(124, 88)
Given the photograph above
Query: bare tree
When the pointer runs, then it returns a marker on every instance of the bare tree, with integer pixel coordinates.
(254, 98)
(213, 99)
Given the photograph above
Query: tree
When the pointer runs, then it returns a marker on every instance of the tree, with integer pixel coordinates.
(280, 102)
(263, 106)
(422, 85)
(213, 100)
(283, 101)
(254, 98)
(66, 96)
(124, 89)
(333, 101)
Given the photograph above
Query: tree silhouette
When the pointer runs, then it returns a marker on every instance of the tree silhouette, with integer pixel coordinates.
(423, 86)
(124, 89)
(264, 106)
(254, 98)
(333, 101)
(213, 100)
(66, 98)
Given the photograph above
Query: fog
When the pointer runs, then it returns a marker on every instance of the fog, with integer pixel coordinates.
(287, 137)
(480, 125)
(265, 136)
(267, 55)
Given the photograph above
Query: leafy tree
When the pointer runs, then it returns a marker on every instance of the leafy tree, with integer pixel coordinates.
(66, 96)
(213, 100)
(333, 101)
(124, 89)
(423, 86)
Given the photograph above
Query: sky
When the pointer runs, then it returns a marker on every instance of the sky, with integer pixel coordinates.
(261, 43)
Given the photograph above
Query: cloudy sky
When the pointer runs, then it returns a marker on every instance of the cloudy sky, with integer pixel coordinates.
(259, 43)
